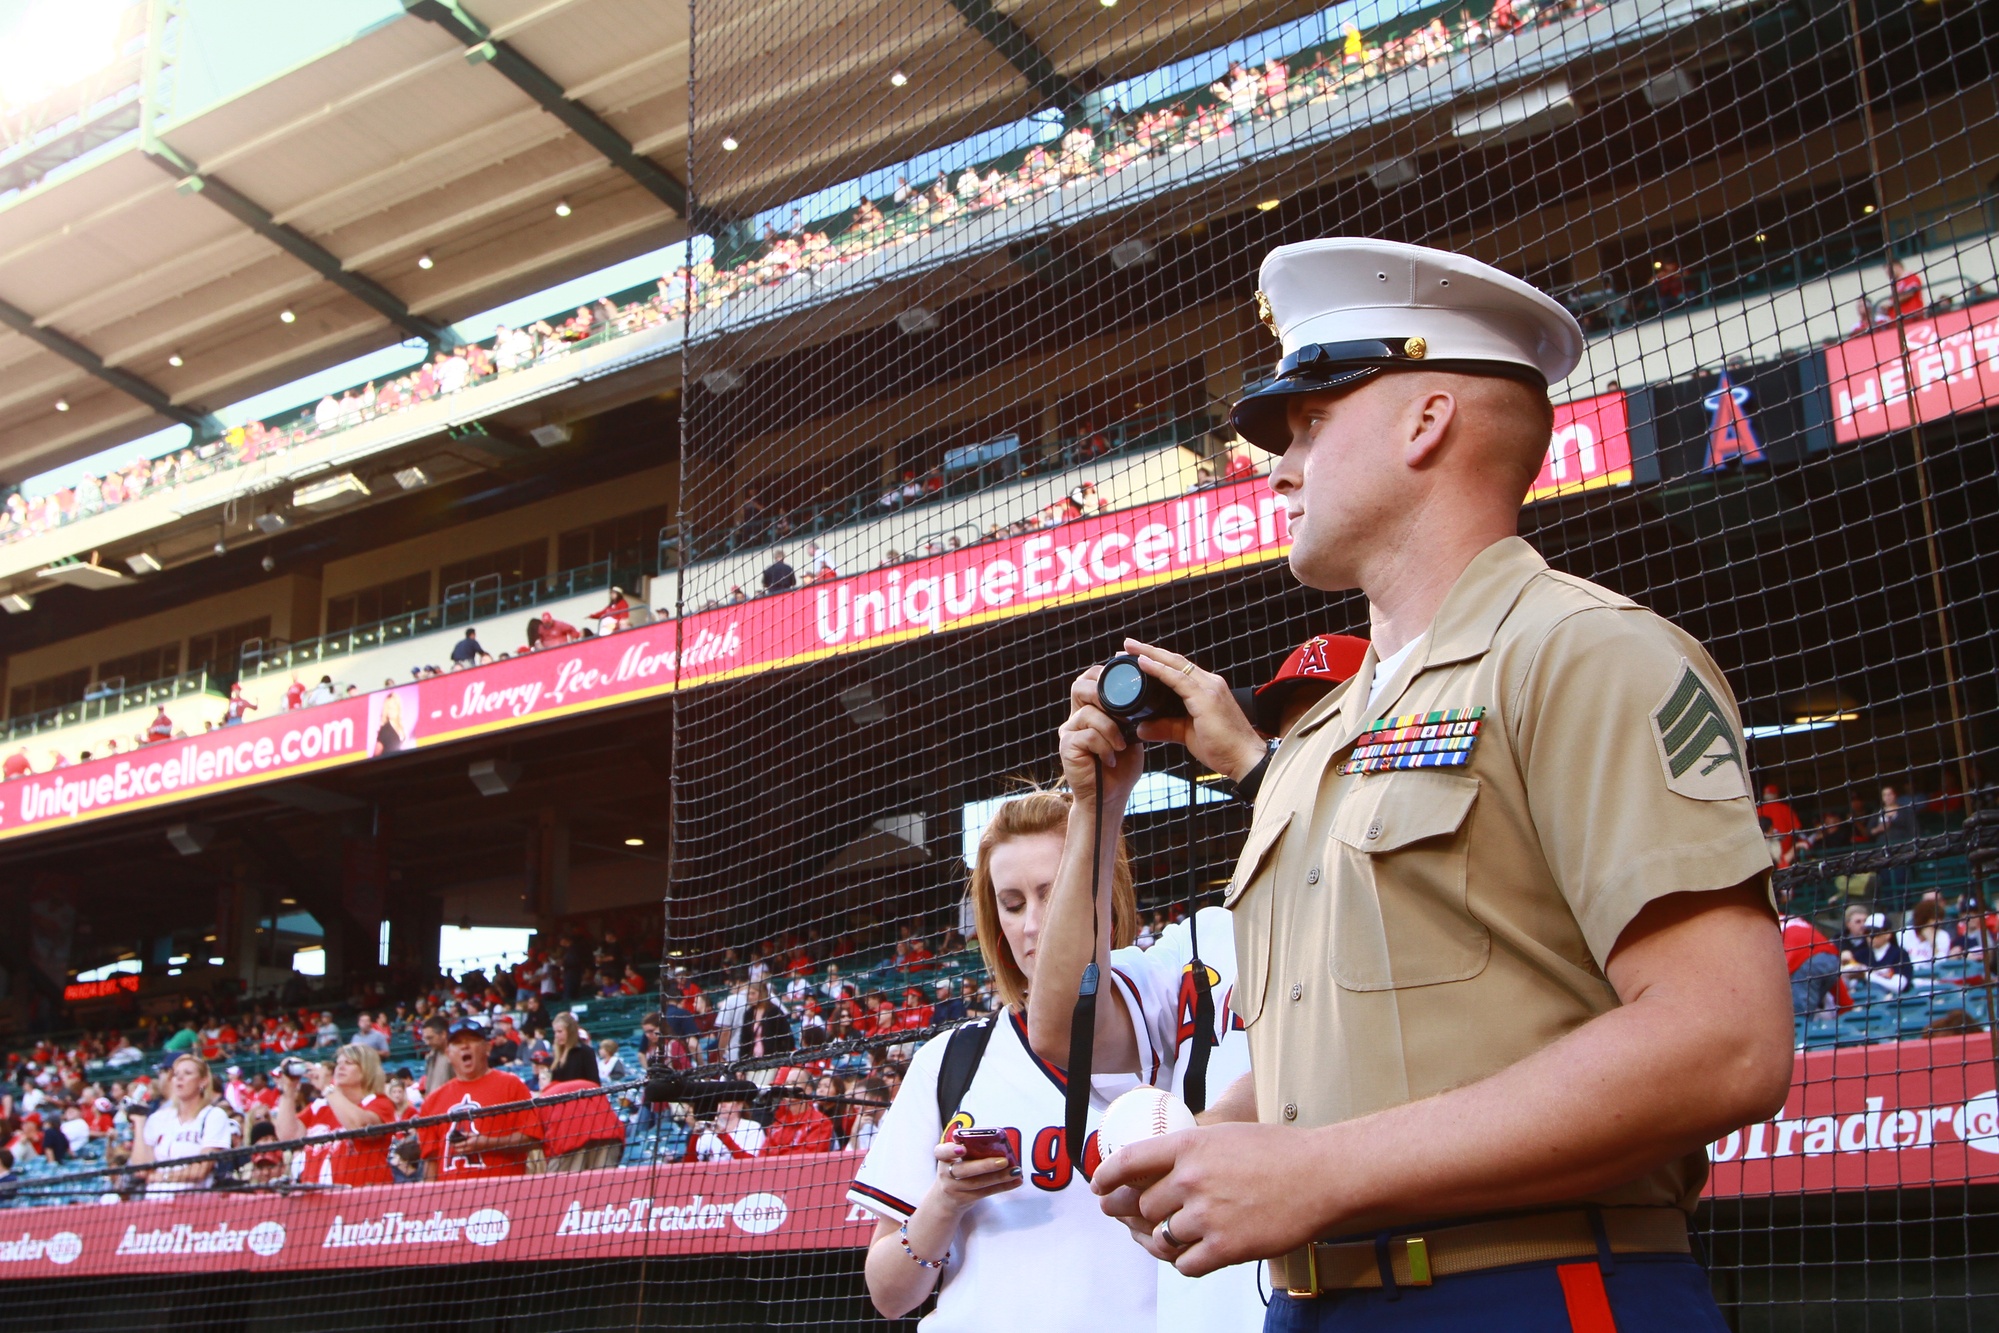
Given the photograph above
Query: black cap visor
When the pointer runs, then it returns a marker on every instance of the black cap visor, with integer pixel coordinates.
(1262, 416)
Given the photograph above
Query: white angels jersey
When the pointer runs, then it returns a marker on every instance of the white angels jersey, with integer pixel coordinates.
(1041, 1257)
(1163, 1021)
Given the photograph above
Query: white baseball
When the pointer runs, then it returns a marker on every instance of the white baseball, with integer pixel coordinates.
(1142, 1113)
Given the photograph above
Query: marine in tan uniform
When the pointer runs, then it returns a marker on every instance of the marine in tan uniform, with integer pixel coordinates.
(1506, 956)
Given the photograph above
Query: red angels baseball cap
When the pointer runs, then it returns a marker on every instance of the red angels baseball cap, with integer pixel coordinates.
(1325, 660)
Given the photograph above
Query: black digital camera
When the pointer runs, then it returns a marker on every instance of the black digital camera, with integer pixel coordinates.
(1128, 694)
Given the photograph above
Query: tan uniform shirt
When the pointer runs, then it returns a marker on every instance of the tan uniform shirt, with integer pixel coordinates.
(1403, 932)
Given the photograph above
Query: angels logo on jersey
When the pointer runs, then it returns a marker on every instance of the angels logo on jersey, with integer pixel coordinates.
(1184, 1032)
(464, 1129)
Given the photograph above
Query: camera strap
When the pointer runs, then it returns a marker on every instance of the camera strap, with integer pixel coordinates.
(1083, 1021)
(1194, 1087)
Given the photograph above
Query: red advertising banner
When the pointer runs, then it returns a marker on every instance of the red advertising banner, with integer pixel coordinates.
(793, 1203)
(1952, 366)
(1098, 556)
(1591, 447)
(223, 759)
(1103, 555)
(1911, 1113)
(1908, 1114)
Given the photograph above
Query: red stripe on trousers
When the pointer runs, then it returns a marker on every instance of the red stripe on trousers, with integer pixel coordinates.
(1589, 1304)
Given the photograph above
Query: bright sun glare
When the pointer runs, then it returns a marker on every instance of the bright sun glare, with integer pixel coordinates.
(55, 43)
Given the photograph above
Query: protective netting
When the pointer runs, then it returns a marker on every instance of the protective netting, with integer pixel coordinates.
(973, 287)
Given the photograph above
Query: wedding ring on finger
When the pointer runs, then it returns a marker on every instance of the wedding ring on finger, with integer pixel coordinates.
(952, 1170)
(1164, 1231)
(1187, 670)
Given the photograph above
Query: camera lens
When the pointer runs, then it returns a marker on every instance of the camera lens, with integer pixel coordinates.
(1122, 686)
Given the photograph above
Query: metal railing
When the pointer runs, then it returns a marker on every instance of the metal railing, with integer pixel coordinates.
(146, 694)
(464, 602)
(938, 485)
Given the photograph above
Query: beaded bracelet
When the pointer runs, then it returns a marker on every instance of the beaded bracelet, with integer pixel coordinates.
(921, 1262)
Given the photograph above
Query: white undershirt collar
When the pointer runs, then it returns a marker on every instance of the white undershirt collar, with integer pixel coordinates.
(1385, 669)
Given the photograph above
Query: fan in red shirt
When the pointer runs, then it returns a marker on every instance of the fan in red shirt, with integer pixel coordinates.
(914, 1015)
(555, 633)
(616, 615)
(294, 695)
(352, 1096)
(1804, 942)
(1780, 823)
(479, 1145)
(17, 765)
(799, 1126)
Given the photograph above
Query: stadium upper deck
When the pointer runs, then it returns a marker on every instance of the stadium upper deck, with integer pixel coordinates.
(1065, 308)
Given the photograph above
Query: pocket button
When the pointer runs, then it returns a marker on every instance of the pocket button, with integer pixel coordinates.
(1374, 830)
(1290, 1110)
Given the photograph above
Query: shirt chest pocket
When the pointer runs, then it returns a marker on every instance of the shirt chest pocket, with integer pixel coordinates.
(1250, 896)
(1399, 917)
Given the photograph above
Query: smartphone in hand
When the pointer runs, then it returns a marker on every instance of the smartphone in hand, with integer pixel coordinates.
(979, 1143)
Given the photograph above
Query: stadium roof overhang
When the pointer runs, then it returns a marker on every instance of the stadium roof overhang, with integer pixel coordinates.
(149, 287)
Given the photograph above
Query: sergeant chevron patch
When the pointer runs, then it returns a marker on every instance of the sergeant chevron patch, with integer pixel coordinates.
(1698, 745)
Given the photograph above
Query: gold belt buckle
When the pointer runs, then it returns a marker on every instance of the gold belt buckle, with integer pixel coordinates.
(1419, 1261)
(1311, 1287)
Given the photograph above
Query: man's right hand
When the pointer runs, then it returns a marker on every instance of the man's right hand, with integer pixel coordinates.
(1214, 730)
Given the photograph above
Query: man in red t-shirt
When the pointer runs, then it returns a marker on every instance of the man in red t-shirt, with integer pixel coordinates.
(799, 1126)
(1814, 962)
(555, 633)
(481, 1145)
(1780, 823)
(17, 765)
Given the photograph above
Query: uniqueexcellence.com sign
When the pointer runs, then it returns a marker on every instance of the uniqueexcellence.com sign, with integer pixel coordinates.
(1102, 555)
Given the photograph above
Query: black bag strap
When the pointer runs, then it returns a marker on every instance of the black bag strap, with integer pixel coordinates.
(962, 1053)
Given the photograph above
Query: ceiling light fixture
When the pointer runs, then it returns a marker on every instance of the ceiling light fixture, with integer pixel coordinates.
(1868, 209)
(287, 317)
(175, 361)
(1266, 205)
(1108, 4)
(897, 79)
(635, 842)
(62, 404)
(729, 144)
(423, 261)
(562, 209)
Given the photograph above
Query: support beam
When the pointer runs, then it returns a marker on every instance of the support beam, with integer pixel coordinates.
(1011, 40)
(74, 352)
(551, 97)
(297, 244)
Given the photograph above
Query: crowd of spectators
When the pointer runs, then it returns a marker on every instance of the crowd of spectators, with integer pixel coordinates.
(1867, 941)
(825, 1027)
(1087, 153)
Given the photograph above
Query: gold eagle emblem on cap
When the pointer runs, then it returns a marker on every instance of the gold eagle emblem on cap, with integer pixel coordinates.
(1415, 349)
(1264, 315)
